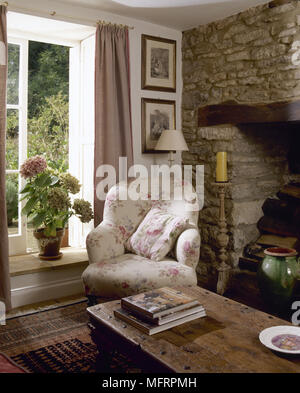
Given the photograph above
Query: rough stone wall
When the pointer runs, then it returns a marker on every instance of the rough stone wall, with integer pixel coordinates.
(246, 58)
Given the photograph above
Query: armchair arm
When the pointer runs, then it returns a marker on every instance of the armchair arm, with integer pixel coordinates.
(187, 248)
(104, 242)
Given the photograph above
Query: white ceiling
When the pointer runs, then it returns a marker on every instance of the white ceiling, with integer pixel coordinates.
(47, 30)
(179, 18)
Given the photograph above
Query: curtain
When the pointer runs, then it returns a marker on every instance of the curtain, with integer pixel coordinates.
(4, 263)
(113, 130)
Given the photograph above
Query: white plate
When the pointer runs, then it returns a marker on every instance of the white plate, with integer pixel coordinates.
(284, 339)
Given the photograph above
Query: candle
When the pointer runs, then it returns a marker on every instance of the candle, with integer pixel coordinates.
(221, 170)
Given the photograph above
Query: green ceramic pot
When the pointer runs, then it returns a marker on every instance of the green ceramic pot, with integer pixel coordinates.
(278, 277)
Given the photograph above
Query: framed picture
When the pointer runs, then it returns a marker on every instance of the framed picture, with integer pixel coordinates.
(158, 63)
(157, 115)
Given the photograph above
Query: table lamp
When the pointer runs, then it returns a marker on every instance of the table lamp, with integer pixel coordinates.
(172, 140)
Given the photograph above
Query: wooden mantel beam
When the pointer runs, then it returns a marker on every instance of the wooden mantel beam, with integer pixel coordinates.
(231, 112)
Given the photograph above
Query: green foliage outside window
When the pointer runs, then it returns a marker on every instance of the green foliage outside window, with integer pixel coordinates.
(48, 110)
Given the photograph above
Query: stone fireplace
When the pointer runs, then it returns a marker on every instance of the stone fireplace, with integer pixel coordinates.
(248, 59)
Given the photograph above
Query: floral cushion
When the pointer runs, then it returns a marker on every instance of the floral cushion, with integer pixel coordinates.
(156, 235)
(128, 274)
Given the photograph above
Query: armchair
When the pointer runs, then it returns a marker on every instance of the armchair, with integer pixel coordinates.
(114, 273)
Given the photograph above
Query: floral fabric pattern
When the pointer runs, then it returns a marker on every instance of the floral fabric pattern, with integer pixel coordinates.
(187, 248)
(128, 274)
(156, 235)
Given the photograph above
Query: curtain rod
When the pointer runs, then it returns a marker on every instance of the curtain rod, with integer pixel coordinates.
(104, 23)
(53, 13)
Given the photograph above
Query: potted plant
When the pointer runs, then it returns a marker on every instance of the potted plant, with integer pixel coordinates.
(48, 204)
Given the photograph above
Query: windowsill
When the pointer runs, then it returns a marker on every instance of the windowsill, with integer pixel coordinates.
(30, 263)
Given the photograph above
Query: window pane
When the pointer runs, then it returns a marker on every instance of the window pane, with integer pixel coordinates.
(12, 139)
(48, 103)
(13, 74)
(12, 203)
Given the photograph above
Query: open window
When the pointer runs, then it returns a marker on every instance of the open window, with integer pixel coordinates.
(78, 116)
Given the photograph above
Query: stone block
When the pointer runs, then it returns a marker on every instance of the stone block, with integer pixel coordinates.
(223, 146)
(234, 49)
(278, 28)
(247, 73)
(281, 9)
(223, 23)
(216, 93)
(268, 51)
(243, 55)
(226, 83)
(246, 37)
(223, 44)
(251, 80)
(247, 212)
(254, 95)
(262, 41)
(234, 29)
(216, 133)
(244, 235)
(204, 47)
(288, 32)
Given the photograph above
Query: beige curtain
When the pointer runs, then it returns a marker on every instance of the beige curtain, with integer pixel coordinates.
(113, 136)
(4, 266)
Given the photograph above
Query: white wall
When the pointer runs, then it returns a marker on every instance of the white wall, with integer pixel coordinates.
(89, 16)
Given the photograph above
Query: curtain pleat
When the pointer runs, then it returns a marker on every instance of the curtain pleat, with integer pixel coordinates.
(113, 130)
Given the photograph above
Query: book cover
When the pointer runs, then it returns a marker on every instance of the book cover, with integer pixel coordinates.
(159, 302)
(167, 318)
(149, 328)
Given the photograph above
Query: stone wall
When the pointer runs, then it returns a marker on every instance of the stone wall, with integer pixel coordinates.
(246, 58)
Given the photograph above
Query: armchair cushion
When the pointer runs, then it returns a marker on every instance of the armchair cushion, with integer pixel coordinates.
(156, 235)
(129, 274)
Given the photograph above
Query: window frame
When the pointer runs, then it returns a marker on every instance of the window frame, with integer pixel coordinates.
(17, 242)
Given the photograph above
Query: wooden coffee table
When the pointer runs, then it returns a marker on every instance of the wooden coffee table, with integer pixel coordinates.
(226, 341)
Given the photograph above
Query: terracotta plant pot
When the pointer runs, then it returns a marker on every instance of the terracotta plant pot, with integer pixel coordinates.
(65, 239)
(49, 246)
(278, 277)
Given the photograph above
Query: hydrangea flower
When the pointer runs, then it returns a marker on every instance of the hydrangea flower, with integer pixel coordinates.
(70, 183)
(83, 209)
(33, 166)
(58, 199)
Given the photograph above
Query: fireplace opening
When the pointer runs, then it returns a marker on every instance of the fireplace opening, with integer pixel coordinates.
(294, 151)
(274, 150)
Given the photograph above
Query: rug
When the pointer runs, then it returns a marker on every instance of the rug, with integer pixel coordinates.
(56, 341)
(7, 366)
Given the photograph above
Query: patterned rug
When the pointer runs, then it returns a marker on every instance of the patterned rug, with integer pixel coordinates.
(56, 341)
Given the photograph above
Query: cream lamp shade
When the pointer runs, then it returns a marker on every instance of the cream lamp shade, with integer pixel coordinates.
(171, 140)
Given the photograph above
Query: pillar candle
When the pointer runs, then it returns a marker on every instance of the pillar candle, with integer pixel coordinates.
(221, 170)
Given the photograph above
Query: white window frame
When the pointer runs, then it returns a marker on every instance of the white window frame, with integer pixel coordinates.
(82, 130)
(17, 242)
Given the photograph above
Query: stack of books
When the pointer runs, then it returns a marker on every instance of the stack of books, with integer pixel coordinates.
(158, 310)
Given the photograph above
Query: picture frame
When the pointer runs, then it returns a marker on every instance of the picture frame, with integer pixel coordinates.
(158, 63)
(157, 115)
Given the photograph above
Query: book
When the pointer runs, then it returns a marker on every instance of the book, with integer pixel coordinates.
(149, 328)
(167, 318)
(158, 302)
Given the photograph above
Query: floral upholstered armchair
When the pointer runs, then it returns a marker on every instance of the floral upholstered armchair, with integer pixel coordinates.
(115, 272)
